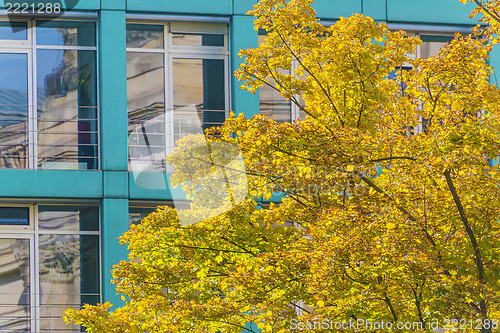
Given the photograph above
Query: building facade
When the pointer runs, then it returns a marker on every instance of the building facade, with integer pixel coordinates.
(92, 100)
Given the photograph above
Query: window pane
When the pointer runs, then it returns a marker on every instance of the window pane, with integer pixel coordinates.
(146, 110)
(14, 285)
(146, 36)
(13, 110)
(199, 94)
(65, 33)
(14, 216)
(271, 102)
(145, 80)
(136, 214)
(68, 218)
(69, 277)
(198, 39)
(432, 44)
(67, 116)
(13, 30)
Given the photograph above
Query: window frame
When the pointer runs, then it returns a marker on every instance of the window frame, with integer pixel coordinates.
(30, 47)
(171, 52)
(32, 233)
(295, 113)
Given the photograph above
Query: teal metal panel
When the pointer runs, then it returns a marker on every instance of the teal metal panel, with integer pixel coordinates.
(66, 5)
(115, 184)
(114, 4)
(114, 222)
(241, 7)
(242, 36)
(429, 11)
(326, 9)
(153, 186)
(50, 184)
(495, 63)
(217, 7)
(376, 9)
(333, 9)
(113, 90)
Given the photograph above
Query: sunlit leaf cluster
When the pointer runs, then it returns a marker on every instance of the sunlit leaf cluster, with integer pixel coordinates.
(377, 220)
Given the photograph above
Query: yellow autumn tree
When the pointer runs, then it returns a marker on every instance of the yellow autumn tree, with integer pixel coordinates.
(380, 225)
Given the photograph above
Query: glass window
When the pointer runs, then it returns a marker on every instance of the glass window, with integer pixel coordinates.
(68, 277)
(272, 103)
(15, 285)
(68, 218)
(14, 216)
(172, 91)
(13, 110)
(14, 30)
(432, 44)
(65, 121)
(66, 33)
(137, 214)
(198, 39)
(146, 36)
(198, 95)
(35, 291)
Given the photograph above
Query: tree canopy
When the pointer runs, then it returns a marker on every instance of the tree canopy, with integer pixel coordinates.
(378, 221)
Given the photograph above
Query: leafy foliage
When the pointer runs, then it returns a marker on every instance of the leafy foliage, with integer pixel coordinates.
(377, 221)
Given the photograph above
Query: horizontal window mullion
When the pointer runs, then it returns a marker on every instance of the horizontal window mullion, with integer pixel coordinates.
(206, 54)
(66, 47)
(144, 50)
(42, 231)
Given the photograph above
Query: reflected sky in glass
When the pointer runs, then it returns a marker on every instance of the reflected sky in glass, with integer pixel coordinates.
(13, 30)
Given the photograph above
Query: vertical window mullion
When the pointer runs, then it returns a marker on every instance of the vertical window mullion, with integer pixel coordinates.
(34, 270)
(32, 98)
(169, 92)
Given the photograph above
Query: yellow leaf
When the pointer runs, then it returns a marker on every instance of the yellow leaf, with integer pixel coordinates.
(390, 225)
(320, 304)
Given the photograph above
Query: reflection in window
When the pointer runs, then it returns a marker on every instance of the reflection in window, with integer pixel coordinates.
(432, 44)
(15, 301)
(146, 106)
(65, 121)
(146, 36)
(198, 95)
(68, 218)
(172, 91)
(66, 33)
(198, 39)
(68, 276)
(13, 110)
(13, 30)
(271, 102)
(64, 274)
(14, 216)
(137, 214)
(67, 118)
